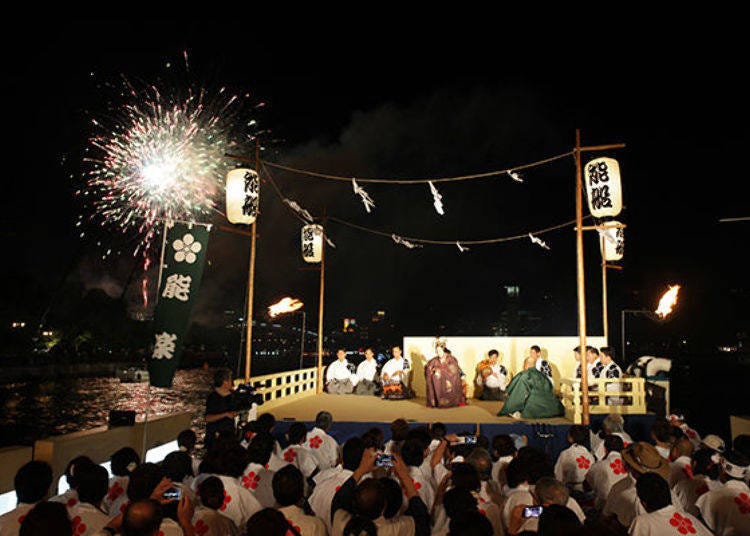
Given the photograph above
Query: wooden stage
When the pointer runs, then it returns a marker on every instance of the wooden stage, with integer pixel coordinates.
(371, 409)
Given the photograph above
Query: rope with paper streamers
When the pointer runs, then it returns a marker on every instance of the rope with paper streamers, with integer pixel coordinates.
(512, 172)
(413, 242)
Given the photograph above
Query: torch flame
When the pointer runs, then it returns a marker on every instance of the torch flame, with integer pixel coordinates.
(284, 305)
(667, 301)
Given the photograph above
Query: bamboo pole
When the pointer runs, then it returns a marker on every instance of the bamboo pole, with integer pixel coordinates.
(580, 279)
(605, 312)
(321, 301)
(251, 287)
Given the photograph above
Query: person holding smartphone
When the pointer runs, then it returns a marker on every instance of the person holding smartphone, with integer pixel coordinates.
(547, 492)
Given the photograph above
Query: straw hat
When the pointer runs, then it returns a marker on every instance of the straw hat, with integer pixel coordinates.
(714, 442)
(644, 458)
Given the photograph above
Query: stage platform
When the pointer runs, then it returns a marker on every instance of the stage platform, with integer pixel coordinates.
(354, 415)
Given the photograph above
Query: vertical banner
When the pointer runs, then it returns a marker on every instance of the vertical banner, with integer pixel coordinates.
(183, 256)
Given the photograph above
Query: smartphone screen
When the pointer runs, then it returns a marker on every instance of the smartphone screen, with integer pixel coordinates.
(384, 460)
(172, 494)
(470, 440)
(532, 511)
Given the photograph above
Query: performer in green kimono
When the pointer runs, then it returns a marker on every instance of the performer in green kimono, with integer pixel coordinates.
(530, 395)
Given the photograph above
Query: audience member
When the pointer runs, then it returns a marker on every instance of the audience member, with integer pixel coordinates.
(726, 510)
(207, 518)
(256, 476)
(46, 519)
(661, 516)
(31, 483)
(680, 467)
(325, 488)
(122, 463)
(321, 444)
(608, 471)
(639, 458)
(575, 461)
(289, 491)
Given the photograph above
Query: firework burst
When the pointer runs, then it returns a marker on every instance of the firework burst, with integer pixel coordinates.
(158, 157)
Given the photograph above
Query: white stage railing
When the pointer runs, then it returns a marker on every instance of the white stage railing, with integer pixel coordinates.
(607, 395)
(282, 387)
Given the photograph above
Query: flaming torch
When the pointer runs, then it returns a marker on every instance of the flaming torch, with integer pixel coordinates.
(284, 305)
(290, 305)
(667, 302)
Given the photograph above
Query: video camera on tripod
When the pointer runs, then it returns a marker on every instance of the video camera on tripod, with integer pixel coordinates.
(245, 402)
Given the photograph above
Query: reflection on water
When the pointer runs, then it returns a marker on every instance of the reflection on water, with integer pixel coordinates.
(35, 410)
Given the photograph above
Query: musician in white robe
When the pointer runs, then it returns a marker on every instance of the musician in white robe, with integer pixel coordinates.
(339, 378)
(395, 376)
(367, 375)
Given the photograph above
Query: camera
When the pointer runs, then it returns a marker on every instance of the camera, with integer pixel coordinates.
(173, 493)
(245, 396)
(532, 511)
(384, 460)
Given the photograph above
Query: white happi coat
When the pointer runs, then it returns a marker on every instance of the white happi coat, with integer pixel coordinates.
(498, 469)
(597, 444)
(667, 521)
(339, 370)
(327, 483)
(623, 502)
(514, 497)
(396, 526)
(304, 524)
(239, 504)
(663, 451)
(116, 495)
(10, 522)
(367, 370)
(87, 519)
(727, 510)
(680, 469)
(573, 464)
(532, 523)
(687, 492)
(603, 475)
(393, 366)
(301, 457)
(209, 522)
(69, 498)
(169, 527)
(324, 448)
(424, 485)
(259, 481)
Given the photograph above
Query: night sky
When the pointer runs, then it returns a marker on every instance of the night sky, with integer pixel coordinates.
(394, 103)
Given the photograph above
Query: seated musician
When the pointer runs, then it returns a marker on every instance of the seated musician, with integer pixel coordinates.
(395, 376)
(492, 377)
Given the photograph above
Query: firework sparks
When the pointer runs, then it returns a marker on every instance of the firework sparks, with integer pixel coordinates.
(157, 158)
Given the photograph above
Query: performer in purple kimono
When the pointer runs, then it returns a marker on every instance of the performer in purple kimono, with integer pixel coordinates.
(444, 379)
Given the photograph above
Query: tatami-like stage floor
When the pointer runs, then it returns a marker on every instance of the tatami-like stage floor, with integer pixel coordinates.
(353, 408)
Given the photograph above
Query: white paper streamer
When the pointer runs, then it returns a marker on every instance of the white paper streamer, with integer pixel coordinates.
(404, 242)
(437, 199)
(299, 210)
(515, 175)
(366, 199)
(461, 248)
(538, 241)
(330, 242)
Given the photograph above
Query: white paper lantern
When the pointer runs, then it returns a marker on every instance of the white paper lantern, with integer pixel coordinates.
(312, 243)
(614, 242)
(243, 195)
(602, 176)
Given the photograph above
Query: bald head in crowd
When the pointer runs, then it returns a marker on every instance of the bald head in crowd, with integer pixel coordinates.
(142, 518)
